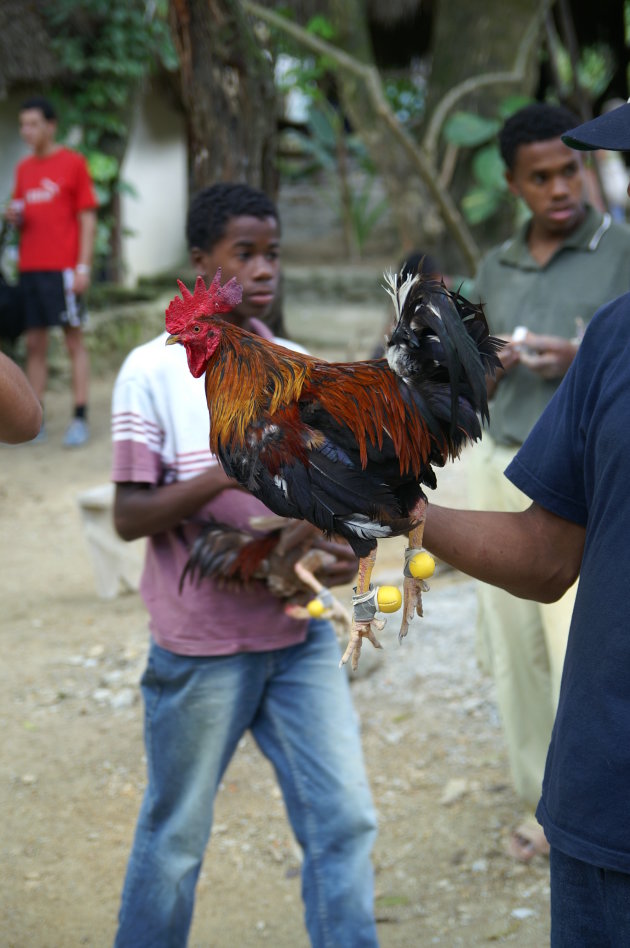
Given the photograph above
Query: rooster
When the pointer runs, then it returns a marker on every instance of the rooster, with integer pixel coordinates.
(346, 446)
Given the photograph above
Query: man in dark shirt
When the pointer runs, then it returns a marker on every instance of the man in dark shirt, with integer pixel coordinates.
(575, 466)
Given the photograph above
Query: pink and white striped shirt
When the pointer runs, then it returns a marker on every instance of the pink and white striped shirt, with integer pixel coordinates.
(160, 432)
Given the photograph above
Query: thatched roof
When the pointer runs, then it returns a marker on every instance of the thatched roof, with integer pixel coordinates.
(25, 54)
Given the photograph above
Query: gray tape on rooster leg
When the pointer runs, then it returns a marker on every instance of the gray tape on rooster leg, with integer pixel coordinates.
(326, 598)
(364, 605)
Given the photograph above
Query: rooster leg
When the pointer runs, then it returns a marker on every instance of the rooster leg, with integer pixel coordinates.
(305, 568)
(362, 628)
(413, 588)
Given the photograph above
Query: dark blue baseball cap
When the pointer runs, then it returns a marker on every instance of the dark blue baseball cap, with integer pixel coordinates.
(610, 131)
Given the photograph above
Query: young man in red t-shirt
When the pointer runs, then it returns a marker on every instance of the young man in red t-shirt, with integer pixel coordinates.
(54, 208)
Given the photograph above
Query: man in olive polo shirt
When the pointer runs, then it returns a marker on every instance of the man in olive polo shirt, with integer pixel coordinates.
(539, 289)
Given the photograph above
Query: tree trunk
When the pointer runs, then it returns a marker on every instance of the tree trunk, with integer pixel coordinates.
(491, 40)
(471, 39)
(402, 163)
(410, 175)
(229, 97)
(400, 181)
(228, 93)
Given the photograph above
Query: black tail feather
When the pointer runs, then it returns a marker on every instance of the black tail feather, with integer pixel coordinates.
(441, 346)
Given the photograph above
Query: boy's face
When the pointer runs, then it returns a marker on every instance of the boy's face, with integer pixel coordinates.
(36, 130)
(549, 177)
(249, 251)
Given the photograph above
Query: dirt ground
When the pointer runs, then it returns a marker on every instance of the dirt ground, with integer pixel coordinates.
(72, 769)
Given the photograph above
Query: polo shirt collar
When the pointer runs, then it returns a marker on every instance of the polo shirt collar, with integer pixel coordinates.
(586, 237)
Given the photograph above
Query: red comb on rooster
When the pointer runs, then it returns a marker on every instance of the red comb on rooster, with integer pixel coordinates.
(184, 317)
(346, 446)
(204, 301)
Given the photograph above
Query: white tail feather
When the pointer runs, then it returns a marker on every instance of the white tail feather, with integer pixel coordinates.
(398, 292)
(367, 529)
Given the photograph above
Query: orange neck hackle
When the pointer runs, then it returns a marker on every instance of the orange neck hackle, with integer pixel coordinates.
(247, 376)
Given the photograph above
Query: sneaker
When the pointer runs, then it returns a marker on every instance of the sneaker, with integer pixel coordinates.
(77, 433)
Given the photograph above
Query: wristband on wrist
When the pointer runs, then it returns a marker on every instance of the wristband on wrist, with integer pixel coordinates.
(82, 268)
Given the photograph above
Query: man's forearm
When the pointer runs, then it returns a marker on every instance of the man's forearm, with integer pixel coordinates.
(87, 236)
(20, 410)
(533, 554)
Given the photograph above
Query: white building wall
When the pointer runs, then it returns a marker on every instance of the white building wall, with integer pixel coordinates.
(155, 165)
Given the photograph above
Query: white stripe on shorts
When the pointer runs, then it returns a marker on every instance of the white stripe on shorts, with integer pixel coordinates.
(71, 316)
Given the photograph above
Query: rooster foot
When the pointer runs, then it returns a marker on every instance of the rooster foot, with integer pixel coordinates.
(412, 602)
(358, 632)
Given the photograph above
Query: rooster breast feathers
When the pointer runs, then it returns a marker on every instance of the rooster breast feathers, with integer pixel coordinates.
(347, 445)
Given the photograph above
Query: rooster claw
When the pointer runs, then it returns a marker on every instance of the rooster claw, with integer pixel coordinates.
(412, 602)
(360, 631)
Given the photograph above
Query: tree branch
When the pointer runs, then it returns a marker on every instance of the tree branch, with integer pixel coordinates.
(416, 155)
(474, 83)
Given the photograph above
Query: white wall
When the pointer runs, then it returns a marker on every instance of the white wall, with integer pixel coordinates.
(155, 165)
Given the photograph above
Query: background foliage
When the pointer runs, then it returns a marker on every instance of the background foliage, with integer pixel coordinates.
(108, 50)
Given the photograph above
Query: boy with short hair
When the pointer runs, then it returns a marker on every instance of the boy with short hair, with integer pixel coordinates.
(219, 663)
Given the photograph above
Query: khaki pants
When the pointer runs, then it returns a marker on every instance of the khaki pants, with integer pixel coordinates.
(521, 643)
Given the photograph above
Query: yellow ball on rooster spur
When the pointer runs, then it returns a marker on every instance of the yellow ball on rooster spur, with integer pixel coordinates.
(422, 565)
(315, 608)
(388, 599)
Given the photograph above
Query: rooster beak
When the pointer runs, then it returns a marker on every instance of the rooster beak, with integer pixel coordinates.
(172, 340)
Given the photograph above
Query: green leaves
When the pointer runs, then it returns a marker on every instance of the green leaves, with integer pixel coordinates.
(593, 73)
(103, 168)
(487, 194)
(325, 125)
(469, 130)
(479, 204)
(407, 98)
(488, 168)
(512, 104)
(322, 26)
(478, 132)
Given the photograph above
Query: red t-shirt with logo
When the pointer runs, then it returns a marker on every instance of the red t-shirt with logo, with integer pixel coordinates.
(54, 189)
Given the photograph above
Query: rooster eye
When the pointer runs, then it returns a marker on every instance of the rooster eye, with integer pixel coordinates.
(196, 328)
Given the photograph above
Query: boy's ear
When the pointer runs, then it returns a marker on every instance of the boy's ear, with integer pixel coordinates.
(196, 258)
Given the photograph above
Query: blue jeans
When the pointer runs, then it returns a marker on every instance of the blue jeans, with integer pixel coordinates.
(590, 907)
(296, 702)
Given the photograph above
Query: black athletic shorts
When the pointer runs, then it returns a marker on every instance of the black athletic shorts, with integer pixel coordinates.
(49, 300)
